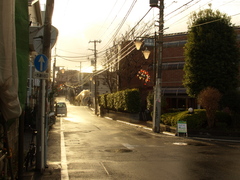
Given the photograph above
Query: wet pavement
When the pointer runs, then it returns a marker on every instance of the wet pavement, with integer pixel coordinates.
(55, 166)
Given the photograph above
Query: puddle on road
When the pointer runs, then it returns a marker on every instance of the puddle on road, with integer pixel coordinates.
(180, 144)
(190, 144)
(119, 150)
(197, 144)
(207, 153)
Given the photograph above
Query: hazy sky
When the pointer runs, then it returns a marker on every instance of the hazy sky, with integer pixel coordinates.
(81, 21)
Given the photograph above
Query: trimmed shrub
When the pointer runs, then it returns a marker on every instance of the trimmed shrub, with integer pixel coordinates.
(110, 101)
(132, 100)
(125, 101)
(194, 121)
(224, 117)
(197, 120)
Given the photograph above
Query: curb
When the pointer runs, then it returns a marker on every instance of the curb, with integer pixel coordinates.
(221, 139)
(140, 126)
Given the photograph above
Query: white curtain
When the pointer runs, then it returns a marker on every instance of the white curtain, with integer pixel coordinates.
(9, 102)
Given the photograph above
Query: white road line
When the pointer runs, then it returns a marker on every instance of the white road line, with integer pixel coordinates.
(105, 169)
(64, 169)
(128, 146)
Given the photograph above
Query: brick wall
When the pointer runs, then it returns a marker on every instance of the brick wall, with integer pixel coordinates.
(172, 70)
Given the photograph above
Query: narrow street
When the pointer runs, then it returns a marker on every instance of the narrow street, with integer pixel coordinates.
(84, 146)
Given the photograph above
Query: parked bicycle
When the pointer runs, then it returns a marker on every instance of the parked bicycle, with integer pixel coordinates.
(6, 171)
(31, 154)
(4, 164)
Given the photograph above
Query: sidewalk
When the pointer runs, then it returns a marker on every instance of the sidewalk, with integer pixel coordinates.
(53, 171)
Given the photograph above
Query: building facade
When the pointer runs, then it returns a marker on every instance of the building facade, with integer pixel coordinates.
(136, 72)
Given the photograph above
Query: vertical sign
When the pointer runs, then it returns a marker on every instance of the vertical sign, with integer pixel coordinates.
(182, 127)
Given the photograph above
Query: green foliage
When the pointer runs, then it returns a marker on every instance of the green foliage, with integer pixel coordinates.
(126, 101)
(103, 100)
(132, 100)
(224, 117)
(211, 53)
(150, 100)
(197, 120)
(170, 119)
(110, 101)
(235, 120)
(231, 100)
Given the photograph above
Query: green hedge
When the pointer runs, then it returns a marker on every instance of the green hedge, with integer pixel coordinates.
(125, 101)
(194, 121)
(197, 120)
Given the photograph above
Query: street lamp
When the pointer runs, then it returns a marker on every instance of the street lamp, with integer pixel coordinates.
(62, 70)
(146, 52)
(138, 44)
(158, 74)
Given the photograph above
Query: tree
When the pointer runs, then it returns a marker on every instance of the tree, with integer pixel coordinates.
(209, 99)
(211, 53)
(111, 65)
(115, 72)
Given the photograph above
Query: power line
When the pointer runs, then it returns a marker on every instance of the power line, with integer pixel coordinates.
(113, 18)
(121, 24)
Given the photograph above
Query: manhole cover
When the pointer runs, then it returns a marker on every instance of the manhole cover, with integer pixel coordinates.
(119, 150)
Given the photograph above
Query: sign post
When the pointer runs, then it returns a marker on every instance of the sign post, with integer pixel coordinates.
(41, 65)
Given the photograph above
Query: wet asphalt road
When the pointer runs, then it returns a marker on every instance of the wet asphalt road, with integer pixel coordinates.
(84, 146)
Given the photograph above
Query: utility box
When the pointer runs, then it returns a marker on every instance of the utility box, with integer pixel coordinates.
(154, 3)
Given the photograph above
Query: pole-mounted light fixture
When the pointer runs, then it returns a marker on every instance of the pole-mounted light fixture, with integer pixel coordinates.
(146, 53)
(138, 44)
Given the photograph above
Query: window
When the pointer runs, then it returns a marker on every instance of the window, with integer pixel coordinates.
(173, 65)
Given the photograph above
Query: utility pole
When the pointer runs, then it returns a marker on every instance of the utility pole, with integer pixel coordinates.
(80, 72)
(42, 110)
(53, 83)
(157, 88)
(95, 76)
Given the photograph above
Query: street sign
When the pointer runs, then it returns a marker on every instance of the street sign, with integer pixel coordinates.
(40, 75)
(182, 127)
(41, 62)
(38, 39)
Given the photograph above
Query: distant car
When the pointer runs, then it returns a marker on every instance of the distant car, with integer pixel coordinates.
(61, 108)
